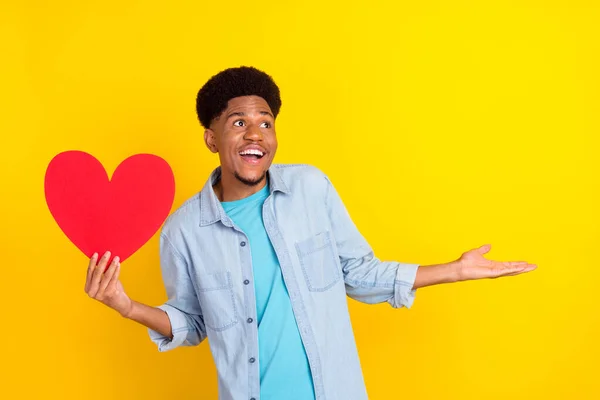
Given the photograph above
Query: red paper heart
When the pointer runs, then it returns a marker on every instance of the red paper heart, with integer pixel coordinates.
(119, 215)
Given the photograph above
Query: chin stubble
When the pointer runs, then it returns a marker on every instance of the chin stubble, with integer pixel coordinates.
(249, 182)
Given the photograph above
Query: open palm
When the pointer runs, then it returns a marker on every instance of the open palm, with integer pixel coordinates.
(473, 265)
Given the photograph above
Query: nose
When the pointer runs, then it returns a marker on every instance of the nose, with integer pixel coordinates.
(253, 133)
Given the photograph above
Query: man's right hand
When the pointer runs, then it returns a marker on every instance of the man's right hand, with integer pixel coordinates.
(105, 286)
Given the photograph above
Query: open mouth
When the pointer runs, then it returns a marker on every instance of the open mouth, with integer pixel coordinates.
(252, 156)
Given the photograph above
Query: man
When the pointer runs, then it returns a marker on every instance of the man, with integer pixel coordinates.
(260, 262)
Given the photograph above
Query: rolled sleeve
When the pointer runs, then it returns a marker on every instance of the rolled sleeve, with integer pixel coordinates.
(404, 294)
(184, 332)
(367, 278)
(182, 306)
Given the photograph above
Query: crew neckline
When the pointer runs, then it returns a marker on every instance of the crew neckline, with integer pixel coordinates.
(262, 193)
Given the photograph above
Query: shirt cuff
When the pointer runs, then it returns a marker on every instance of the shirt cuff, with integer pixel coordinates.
(404, 295)
(179, 329)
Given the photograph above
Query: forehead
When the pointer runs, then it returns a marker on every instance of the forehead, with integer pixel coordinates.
(248, 102)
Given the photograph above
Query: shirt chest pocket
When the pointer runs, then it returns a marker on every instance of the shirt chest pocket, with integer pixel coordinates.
(318, 261)
(215, 293)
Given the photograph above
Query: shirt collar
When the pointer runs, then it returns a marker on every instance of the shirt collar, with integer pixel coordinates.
(211, 210)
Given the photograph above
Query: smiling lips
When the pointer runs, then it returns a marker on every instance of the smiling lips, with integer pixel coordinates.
(252, 155)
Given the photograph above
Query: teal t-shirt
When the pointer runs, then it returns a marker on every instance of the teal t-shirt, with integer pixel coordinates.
(284, 368)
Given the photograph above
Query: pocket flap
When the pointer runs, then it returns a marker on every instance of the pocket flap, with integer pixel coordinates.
(314, 243)
(214, 281)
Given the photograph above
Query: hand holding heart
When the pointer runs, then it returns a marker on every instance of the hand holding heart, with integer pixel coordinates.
(98, 214)
(105, 286)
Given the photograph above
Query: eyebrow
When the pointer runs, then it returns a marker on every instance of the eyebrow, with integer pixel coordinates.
(243, 114)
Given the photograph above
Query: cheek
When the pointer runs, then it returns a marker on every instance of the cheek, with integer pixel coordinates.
(274, 142)
(227, 145)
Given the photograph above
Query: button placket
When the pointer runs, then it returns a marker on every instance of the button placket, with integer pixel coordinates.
(249, 294)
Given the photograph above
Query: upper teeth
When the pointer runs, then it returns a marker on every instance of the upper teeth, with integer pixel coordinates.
(252, 151)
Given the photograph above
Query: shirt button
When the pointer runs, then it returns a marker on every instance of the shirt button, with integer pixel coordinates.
(246, 282)
(242, 244)
(252, 360)
(252, 398)
(249, 320)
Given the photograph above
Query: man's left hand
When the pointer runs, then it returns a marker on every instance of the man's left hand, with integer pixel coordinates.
(473, 265)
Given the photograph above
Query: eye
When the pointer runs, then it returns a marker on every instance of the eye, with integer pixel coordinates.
(265, 125)
(239, 122)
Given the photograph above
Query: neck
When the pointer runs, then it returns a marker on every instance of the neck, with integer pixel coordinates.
(229, 188)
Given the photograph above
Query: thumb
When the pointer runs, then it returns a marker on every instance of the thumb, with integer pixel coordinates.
(484, 249)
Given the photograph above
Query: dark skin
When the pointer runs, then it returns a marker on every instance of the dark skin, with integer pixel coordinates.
(247, 123)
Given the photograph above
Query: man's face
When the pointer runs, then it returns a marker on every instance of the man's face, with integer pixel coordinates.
(244, 137)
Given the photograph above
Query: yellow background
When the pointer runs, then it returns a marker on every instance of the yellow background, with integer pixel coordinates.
(444, 125)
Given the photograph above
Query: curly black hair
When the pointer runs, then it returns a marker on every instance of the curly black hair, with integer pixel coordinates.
(213, 97)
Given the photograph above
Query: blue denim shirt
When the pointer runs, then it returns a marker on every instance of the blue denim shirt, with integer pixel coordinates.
(207, 271)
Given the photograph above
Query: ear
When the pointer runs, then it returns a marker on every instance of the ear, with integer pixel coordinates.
(210, 140)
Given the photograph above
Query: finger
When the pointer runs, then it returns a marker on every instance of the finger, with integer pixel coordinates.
(484, 249)
(526, 267)
(514, 273)
(108, 276)
(518, 273)
(97, 274)
(515, 263)
(501, 269)
(104, 261)
(93, 260)
(90, 270)
(530, 267)
(114, 279)
(518, 270)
